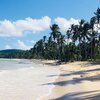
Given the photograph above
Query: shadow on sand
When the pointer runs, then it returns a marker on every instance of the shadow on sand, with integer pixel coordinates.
(90, 95)
(76, 80)
(76, 73)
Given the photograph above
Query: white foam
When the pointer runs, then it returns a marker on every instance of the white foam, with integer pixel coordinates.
(50, 88)
(24, 81)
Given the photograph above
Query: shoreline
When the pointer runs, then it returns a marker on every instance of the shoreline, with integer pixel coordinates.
(24, 79)
(47, 63)
(71, 81)
(50, 90)
(83, 71)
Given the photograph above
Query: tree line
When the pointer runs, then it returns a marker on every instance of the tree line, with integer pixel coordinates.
(81, 42)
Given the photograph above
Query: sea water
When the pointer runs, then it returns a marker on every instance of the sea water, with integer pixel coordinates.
(22, 79)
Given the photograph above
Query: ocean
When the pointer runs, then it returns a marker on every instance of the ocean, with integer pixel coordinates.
(22, 79)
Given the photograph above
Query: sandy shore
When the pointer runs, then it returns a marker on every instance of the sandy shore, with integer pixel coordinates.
(77, 81)
(22, 79)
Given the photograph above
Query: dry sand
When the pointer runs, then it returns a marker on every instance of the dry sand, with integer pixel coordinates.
(77, 81)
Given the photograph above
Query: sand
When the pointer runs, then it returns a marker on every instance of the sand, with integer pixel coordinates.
(24, 80)
(77, 81)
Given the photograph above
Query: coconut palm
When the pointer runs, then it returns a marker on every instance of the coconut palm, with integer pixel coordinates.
(76, 34)
(56, 34)
(55, 31)
(85, 37)
(61, 46)
(94, 32)
(93, 36)
(44, 38)
(97, 13)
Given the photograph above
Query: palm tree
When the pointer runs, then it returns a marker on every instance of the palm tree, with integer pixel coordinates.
(97, 13)
(51, 48)
(93, 36)
(55, 31)
(73, 31)
(44, 38)
(94, 21)
(76, 31)
(61, 46)
(80, 30)
(85, 37)
(39, 49)
(55, 34)
(81, 34)
(68, 34)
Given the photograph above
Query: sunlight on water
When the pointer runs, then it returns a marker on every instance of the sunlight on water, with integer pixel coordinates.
(23, 80)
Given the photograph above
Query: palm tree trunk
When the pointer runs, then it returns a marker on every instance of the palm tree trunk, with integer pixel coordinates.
(91, 51)
(85, 52)
(80, 58)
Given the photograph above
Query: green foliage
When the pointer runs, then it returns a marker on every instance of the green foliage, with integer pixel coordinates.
(81, 42)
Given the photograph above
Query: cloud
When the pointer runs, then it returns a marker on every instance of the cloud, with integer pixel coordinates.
(18, 28)
(8, 47)
(67, 41)
(64, 24)
(29, 25)
(31, 41)
(22, 45)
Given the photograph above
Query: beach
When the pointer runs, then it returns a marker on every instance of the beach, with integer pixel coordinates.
(77, 81)
(22, 79)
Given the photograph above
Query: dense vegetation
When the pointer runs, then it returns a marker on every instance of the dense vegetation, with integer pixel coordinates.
(81, 42)
(11, 53)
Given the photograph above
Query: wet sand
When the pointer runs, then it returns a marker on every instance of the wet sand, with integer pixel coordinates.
(77, 81)
(22, 79)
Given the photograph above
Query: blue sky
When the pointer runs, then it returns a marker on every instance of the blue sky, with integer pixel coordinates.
(23, 22)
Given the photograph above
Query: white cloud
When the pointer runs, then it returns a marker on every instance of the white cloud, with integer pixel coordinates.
(22, 45)
(67, 41)
(8, 47)
(19, 27)
(7, 28)
(64, 24)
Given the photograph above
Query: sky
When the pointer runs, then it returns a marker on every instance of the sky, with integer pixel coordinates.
(24, 22)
